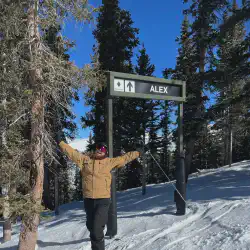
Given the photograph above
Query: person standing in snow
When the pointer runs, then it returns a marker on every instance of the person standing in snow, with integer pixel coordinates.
(96, 180)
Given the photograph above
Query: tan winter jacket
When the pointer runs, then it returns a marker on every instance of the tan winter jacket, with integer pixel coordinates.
(96, 176)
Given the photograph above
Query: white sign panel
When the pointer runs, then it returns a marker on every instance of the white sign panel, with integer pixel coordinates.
(130, 86)
(119, 85)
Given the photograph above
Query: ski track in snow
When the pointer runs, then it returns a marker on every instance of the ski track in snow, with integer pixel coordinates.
(195, 232)
(190, 223)
(217, 217)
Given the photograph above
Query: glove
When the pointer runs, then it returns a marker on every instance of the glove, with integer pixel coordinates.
(139, 147)
(122, 152)
(140, 150)
(59, 136)
(146, 147)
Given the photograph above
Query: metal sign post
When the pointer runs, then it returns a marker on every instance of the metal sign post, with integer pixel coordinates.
(145, 87)
(112, 216)
(144, 171)
(180, 169)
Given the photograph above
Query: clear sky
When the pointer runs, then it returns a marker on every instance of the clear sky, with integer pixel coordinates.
(159, 23)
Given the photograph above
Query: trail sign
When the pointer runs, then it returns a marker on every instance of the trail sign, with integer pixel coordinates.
(129, 86)
(119, 85)
(136, 86)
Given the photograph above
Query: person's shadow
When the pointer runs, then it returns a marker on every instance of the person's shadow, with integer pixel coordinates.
(51, 244)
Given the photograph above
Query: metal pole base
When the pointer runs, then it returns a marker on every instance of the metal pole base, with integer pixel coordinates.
(112, 214)
(181, 187)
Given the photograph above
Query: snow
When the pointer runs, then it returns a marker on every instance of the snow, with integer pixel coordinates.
(79, 144)
(217, 217)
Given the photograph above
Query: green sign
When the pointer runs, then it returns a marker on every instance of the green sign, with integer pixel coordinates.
(136, 86)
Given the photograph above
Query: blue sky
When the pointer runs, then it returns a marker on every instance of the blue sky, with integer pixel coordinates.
(159, 23)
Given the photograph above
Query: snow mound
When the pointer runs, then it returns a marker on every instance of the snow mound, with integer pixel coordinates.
(217, 217)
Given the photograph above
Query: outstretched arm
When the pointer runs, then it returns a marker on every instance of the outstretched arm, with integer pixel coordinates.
(120, 161)
(73, 154)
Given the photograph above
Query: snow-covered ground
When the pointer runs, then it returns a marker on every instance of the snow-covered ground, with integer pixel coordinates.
(218, 217)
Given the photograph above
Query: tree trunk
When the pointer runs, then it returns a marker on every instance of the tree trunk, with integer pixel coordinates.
(6, 204)
(225, 159)
(47, 196)
(7, 227)
(7, 230)
(56, 192)
(144, 174)
(198, 112)
(46, 193)
(230, 148)
(7, 222)
(28, 234)
(230, 121)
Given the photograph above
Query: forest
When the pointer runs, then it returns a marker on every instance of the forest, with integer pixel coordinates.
(39, 84)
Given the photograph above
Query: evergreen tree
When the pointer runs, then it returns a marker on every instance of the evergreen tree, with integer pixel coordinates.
(196, 42)
(58, 119)
(241, 15)
(14, 115)
(203, 39)
(166, 139)
(185, 70)
(155, 174)
(90, 143)
(230, 108)
(41, 75)
(208, 153)
(77, 196)
(116, 38)
(144, 66)
(147, 110)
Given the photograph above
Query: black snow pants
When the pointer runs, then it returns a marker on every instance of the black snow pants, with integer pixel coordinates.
(97, 217)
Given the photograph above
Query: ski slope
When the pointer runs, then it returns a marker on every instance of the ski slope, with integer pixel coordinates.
(218, 217)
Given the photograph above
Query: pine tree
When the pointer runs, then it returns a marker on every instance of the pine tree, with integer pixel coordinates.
(208, 153)
(155, 174)
(205, 38)
(201, 37)
(77, 196)
(148, 111)
(90, 143)
(116, 39)
(166, 139)
(57, 118)
(242, 15)
(144, 66)
(185, 70)
(41, 74)
(230, 109)
(13, 116)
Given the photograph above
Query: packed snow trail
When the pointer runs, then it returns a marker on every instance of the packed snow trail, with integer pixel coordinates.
(217, 217)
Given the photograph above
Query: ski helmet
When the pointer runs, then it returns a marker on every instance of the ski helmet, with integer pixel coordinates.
(102, 147)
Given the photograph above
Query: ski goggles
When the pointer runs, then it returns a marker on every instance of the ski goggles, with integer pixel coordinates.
(101, 148)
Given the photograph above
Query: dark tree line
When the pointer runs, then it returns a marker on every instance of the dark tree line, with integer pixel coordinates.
(213, 60)
(35, 105)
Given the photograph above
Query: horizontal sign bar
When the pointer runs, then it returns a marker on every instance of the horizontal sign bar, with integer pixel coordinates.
(135, 86)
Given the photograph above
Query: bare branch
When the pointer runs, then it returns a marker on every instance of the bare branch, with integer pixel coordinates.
(21, 116)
